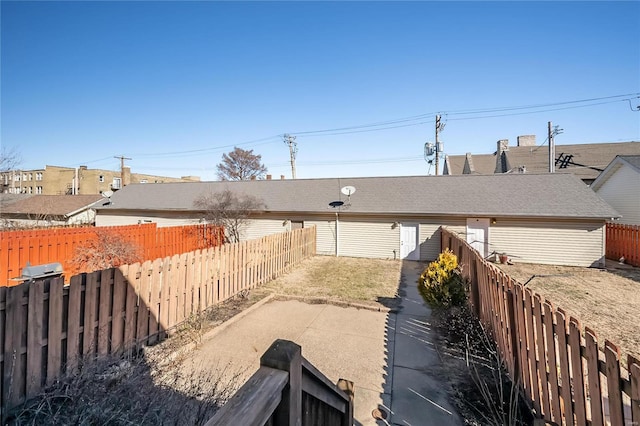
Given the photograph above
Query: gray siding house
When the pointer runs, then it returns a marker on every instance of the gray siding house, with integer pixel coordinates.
(548, 218)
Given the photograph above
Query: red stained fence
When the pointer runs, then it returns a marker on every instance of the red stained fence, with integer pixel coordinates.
(623, 241)
(47, 327)
(555, 360)
(47, 245)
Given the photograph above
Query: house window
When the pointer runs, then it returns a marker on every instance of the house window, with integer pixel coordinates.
(38, 190)
(30, 176)
(39, 176)
(101, 178)
(30, 190)
(116, 183)
(16, 178)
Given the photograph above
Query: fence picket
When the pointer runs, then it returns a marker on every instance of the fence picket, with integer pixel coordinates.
(577, 373)
(595, 391)
(119, 312)
(54, 332)
(565, 376)
(34, 338)
(74, 321)
(104, 311)
(612, 368)
(634, 376)
(89, 337)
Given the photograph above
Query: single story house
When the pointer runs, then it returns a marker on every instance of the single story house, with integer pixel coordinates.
(49, 210)
(546, 218)
(583, 160)
(619, 185)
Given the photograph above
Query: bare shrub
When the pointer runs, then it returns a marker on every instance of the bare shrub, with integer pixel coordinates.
(107, 250)
(148, 389)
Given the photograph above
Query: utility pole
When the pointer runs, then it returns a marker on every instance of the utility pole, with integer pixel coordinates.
(122, 158)
(439, 128)
(553, 131)
(293, 150)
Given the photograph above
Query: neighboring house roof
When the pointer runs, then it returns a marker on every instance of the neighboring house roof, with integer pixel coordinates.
(51, 205)
(7, 199)
(535, 159)
(525, 195)
(631, 161)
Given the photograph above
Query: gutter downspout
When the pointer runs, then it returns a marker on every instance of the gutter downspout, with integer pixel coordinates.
(337, 234)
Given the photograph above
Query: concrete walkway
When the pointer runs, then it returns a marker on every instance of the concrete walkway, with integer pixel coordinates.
(388, 356)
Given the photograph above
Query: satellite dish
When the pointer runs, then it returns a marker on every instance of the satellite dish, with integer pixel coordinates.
(335, 204)
(107, 194)
(348, 190)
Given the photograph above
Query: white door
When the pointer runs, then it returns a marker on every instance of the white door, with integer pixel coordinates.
(409, 241)
(478, 234)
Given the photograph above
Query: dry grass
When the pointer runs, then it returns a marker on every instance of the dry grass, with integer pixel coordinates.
(607, 301)
(368, 281)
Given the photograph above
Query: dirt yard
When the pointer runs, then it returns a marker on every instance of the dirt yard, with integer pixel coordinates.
(607, 301)
(371, 282)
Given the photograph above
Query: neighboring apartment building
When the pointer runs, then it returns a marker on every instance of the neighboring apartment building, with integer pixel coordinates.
(586, 161)
(55, 180)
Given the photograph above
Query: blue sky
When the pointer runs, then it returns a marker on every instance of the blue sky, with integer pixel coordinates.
(173, 85)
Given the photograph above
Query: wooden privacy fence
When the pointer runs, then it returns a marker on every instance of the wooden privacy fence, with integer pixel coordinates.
(47, 245)
(556, 363)
(47, 328)
(623, 241)
(288, 390)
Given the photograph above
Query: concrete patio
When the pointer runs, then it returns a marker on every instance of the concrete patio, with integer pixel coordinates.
(388, 355)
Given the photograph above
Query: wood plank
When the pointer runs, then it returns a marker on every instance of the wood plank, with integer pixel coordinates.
(104, 311)
(131, 306)
(118, 311)
(565, 375)
(554, 400)
(90, 306)
(155, 288)
(577, 372)
(255, 401)
(595, 391)
(542, 359)
(165, 298)
(181, 287)
(535, 388)
(75, 317)
(189, 284)
(34, 337)
(612, 370)
(634, 378)
(54, 335)
(142, 327)
(14, 374)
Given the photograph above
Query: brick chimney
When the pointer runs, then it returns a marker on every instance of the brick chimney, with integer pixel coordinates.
(281, 177)
(527, 140)
(268, 177)
(253, 178)
(502, 162)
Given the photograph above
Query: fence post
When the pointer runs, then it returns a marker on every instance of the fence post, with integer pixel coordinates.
(347, 387)
(513, 336)
(287, 356)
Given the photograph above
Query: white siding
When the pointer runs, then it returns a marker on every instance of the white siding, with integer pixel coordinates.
(550, 242)
(325, 235)
(369, 239)
(86, 216)
(622, 192)
(103, 219)
(258, 228)
(430, 235)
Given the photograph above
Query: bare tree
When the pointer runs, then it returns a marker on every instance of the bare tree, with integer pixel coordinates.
(229, 210)
(108, 250)
(240, 164)
(9, 159)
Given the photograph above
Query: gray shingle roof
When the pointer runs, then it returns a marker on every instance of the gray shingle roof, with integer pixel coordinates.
(536, 159)
(525, 195)
(55, 205)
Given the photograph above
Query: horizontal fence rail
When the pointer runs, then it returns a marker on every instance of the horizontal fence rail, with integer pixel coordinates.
(47, 328)
(555, 360)
(623, 241)
(288, 390)
(47, 245)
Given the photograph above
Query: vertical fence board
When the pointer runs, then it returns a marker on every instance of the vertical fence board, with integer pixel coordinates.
(634, 376)
(542, 360)
(34, 337)
(119, 310)
(74, 344)
(142, 328)
(154, 300)
(612, 360)
(565, 376)
(131, 310)
(549, 326)
(104, 311)
(577, 372)
(14, 378)
(595, 391)
(54, 335)
(90, 302)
